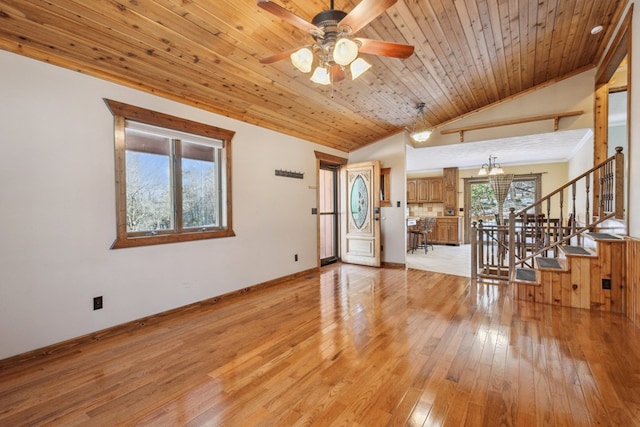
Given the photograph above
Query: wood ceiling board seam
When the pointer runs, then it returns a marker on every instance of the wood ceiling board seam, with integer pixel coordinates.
(523, 17)
(351, 105)
(509, 50)
(600, 15)
(413, 64)
(559, 33)
(424, 75)
(514, 30)
(430, 57)
(492, 52)
(529, 41)
(477, 33)
(444, 49)
(228, 101)
(470, 70)
(137, 38)
(489, 86)
(517, 95)
(573, 32)
(500, 57)
(547, 38)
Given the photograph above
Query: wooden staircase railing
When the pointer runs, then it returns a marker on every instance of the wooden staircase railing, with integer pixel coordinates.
(498, 250)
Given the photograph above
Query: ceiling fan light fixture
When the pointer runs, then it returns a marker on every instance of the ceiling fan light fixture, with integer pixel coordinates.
(302, 59)
(321, 76)
(421, 131)
(358, 68)
(345, 51)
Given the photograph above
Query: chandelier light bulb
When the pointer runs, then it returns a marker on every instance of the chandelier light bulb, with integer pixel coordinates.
(321, 76)
(302, 59)
(358, 68)
(345, 51)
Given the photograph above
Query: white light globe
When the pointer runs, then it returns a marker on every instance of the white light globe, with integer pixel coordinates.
(302, 59)
(358, 68)
(321, 76)
(345, 51)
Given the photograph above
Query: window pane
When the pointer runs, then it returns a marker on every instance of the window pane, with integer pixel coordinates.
(199, 186)
(148, 183)
(326, 190)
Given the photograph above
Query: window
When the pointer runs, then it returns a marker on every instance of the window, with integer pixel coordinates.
(172, 178)
(524, 190)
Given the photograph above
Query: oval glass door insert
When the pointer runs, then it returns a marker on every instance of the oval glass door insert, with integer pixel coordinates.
(359, 202)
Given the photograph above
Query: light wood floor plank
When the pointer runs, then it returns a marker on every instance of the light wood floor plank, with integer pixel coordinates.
(352, 346)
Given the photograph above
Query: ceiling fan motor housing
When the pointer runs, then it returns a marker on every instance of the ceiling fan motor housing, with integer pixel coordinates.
(327, 21)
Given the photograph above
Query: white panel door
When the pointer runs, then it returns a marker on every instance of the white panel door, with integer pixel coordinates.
(361, 214)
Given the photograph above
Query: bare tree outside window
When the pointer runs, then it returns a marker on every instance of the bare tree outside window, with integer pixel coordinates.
(172, 178)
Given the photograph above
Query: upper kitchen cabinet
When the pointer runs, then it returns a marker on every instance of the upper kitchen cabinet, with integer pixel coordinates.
(450, 180)
(425, 190)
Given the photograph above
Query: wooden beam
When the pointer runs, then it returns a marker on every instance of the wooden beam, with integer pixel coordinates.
(555, 117)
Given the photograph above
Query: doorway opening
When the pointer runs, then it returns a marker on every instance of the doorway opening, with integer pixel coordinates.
(328, 212)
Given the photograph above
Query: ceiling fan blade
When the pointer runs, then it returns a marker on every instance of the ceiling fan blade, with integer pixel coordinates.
(382, 48)
(285, 15)
(278, 56)
(337, 73)
(365, 12)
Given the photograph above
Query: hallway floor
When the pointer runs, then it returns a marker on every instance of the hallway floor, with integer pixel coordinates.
(454, 260)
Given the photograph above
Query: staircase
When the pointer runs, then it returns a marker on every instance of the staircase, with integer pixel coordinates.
(548, 259)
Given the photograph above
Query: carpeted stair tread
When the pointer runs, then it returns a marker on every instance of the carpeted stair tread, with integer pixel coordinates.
(525, 275)
(549, 263)
(575, 250)
(603, 236)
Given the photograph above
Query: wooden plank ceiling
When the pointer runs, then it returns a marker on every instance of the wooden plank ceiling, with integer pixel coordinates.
(468, 54)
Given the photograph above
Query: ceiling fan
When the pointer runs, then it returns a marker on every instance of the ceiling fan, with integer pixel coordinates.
(335, 46)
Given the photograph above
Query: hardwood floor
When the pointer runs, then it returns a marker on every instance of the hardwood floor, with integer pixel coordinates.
(352, 346)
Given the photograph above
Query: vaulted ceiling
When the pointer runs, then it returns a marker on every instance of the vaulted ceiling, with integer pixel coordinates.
(468, 54)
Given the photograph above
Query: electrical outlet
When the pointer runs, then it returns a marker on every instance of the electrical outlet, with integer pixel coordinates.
(606, 283)
(295, 257)
(97, 303)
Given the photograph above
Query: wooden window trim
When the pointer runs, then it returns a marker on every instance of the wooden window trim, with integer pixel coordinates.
(122, 112)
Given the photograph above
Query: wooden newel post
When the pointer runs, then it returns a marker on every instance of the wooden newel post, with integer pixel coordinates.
(619, 184)
(474, 250)
(480, 245)
(512, 243)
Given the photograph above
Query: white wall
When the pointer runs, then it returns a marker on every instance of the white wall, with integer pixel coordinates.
(579, 164)
(572, 94)
(57, 202)
(391, 152)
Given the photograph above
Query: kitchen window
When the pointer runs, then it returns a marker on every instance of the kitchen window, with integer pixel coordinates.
(172, 178)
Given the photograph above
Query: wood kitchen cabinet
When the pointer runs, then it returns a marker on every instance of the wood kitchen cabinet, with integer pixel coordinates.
(412, 191)
(450, 198)
(448, 231)
(425, 190)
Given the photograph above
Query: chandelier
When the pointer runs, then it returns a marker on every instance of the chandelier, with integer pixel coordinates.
(421, 130)
(334, 49)
(492, 168)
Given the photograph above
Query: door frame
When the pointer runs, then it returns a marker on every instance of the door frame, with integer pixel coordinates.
(334, 161)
